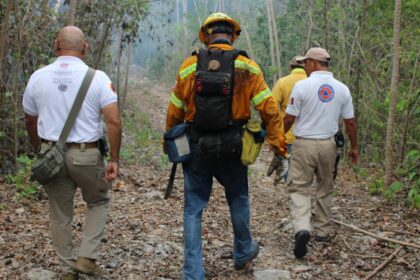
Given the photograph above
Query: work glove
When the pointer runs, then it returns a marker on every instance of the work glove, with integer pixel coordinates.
(280, 164)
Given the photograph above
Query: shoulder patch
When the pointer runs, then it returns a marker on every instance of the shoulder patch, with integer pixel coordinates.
(111, 86)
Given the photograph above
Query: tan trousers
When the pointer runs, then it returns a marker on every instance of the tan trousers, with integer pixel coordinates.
(311, 157)
(84, 168)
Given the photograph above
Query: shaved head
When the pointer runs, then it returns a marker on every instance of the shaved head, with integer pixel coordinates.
(70, 39)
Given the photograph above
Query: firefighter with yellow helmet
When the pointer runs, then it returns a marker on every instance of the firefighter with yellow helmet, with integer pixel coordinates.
(213, 93)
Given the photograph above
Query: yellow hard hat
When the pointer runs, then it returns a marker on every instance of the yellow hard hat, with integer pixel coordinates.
(217, 17)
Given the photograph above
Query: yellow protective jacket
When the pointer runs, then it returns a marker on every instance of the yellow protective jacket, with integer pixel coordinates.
(281, 93)
(249, 89)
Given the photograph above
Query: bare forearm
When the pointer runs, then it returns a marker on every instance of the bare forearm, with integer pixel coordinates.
(114, 137)
(113, 125)
(351, 130)
(288, 122)
(32, 129)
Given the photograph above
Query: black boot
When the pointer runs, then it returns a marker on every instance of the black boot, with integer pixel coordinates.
(301, 239)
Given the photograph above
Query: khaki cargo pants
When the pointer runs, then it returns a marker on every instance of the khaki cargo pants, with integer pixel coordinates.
(84, 168)
(311, 157)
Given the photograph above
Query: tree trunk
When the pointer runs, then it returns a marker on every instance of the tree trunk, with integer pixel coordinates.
(216, 5)
(120, 49)
(276, 40)
(244, 29)
(310, 26)
(394, 91)
(15, 110)
(185, 22)
(127, 71)
(71, 15)
(410, 110)
(326, 30)
(271, 38)
(102, 43)
(3, 39)
(4, 34)
(177, 45)
(358, 62)
(55, 9)
(197, 13)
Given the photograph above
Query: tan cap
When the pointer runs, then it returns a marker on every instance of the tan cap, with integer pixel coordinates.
(319, 54)
(294, 62)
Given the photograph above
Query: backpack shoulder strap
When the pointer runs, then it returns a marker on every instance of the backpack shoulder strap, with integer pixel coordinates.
(243, 53)
(74, 111)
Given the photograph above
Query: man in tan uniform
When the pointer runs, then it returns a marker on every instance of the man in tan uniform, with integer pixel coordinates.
(281, 93)
(48, 97)
(316, 106)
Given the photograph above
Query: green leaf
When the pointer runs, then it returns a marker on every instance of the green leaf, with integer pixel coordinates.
(392, 190)
(413, 198)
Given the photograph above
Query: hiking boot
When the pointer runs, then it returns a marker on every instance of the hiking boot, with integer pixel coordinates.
(301, 239)
(70, 276)
(255, 250)
(322, 238)
(87, 266)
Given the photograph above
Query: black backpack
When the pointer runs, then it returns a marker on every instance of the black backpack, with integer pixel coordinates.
(214, 84)
(213, 128)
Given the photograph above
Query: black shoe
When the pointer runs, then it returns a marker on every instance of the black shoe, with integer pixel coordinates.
(255, 251)
(322, 238)
(301, 239)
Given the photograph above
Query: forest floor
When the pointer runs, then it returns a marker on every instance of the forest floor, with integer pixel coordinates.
(144, 231)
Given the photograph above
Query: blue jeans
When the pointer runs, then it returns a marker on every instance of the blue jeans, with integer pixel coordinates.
(198, 179)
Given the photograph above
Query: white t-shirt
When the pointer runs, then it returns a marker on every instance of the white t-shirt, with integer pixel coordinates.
(50, 94)
(318, 102)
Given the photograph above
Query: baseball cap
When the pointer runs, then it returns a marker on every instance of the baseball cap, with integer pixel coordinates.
(294, 62)
(319, 54)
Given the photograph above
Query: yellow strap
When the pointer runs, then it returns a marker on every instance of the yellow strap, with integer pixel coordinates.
(176, 101)
(187, 71)
(260, 97)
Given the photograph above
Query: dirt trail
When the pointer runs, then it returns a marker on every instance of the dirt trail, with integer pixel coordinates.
(144, 231)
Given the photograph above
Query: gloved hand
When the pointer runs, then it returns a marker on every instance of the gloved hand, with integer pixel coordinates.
(279, 164)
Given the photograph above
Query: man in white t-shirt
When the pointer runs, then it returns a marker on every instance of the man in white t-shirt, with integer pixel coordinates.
(48, 98)
(316, 106)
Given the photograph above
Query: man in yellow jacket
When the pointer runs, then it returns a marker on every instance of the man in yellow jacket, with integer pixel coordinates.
(213, 93)
(281, 93)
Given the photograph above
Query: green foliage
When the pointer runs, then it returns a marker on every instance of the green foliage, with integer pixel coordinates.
(414, 197)
(360, 172)
(409, 182)
(144, 145)
(376, 187)
(20, 179)
(390, 192)
(410, 172)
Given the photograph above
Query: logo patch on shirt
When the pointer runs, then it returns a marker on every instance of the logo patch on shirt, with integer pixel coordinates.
(326, 93)
(62, 87)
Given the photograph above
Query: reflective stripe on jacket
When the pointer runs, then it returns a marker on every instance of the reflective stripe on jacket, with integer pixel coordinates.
(281, 93)
(249, 89)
